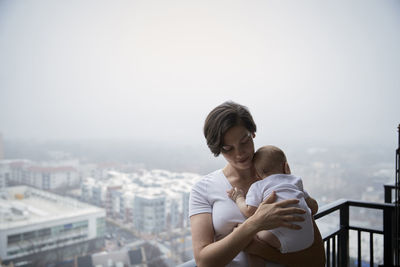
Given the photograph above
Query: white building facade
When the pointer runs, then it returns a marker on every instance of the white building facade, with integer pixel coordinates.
(149, 213)
(47, 176)
(33, 221)
(5, 174)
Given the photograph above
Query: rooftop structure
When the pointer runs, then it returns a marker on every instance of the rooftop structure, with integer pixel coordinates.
(33, 221)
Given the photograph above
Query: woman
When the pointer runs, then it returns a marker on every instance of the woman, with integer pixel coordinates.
(220, 233)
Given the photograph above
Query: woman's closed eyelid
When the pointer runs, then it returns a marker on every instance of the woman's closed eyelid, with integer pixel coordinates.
(226, 148)
(245, 140)
(229, 148)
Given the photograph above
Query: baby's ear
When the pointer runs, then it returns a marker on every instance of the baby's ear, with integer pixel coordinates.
(287, 168)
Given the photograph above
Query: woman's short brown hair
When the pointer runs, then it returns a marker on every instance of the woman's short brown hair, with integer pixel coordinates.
(221, 119)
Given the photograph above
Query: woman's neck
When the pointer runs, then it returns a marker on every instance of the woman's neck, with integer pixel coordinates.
(240, 178)
(233, 173)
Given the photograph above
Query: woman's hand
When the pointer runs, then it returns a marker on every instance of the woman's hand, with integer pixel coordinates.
(270, 215)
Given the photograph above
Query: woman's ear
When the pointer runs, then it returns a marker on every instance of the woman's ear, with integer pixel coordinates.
(287, 168)
(253, 135)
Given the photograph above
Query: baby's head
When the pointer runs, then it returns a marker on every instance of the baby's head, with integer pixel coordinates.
(270, 160)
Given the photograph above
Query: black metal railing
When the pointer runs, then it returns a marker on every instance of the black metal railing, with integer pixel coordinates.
(389, 189)
(337, 241)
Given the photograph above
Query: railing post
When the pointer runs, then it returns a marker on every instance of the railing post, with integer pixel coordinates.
(388, 193)
(388, 237)
(397, 207)
(343, 238)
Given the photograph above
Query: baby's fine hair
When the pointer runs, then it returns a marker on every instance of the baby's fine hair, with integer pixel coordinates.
(270, 158)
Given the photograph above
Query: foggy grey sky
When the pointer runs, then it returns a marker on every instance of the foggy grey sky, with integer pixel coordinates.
(310, 71)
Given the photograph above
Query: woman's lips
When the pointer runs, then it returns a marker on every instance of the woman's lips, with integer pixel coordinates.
(243, 160)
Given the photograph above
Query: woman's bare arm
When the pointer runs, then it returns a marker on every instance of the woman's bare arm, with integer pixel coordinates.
(208, 252)
(219, 253)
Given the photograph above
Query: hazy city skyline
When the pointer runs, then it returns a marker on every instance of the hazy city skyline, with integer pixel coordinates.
(120, 89)
(309, 71)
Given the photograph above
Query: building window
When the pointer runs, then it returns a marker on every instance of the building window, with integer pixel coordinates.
(44, 232)
(100, 225)
(12, 239)
(28, 235)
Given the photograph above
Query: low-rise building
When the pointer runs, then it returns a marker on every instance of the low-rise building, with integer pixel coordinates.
(33, 221)
(5, 173)
(47, 175)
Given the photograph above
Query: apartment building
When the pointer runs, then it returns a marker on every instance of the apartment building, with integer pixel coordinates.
(4, 174)
(48, 175)
(149, 213)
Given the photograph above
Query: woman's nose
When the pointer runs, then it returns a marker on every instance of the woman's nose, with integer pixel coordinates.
(239, 152)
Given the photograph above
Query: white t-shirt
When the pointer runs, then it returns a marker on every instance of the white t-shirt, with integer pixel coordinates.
(286, 186)
(209, 195)
(261, 189)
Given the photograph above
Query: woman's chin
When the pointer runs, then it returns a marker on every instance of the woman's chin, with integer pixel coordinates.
(244, 165)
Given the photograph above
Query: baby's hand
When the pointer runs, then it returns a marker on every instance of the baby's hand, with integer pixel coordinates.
(231, 193)
(235, 193)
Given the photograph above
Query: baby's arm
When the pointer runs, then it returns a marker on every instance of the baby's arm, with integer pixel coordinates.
(237, 195)
(312, 204)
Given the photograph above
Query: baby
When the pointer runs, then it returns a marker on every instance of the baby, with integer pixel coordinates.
(273, 170)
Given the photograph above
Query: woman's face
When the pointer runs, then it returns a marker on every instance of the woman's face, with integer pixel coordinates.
(238, 147)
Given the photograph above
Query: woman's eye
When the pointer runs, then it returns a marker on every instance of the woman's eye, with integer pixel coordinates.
(226, 148)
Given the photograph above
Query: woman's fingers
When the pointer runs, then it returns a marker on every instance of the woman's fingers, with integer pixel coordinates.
(291, 210)
(283, 203)
(287, 202)
(292, 218)
(270, 199)
(284, 213)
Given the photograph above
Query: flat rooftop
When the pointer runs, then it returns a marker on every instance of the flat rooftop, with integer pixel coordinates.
(23, 205)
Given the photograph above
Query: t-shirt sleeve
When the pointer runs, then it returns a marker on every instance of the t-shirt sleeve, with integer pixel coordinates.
(253, 197)
(198, 200)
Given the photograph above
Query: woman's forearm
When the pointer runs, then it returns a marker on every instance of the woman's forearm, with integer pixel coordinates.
(222, 252)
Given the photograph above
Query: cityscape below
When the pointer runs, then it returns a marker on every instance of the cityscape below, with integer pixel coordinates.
(90, 209)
